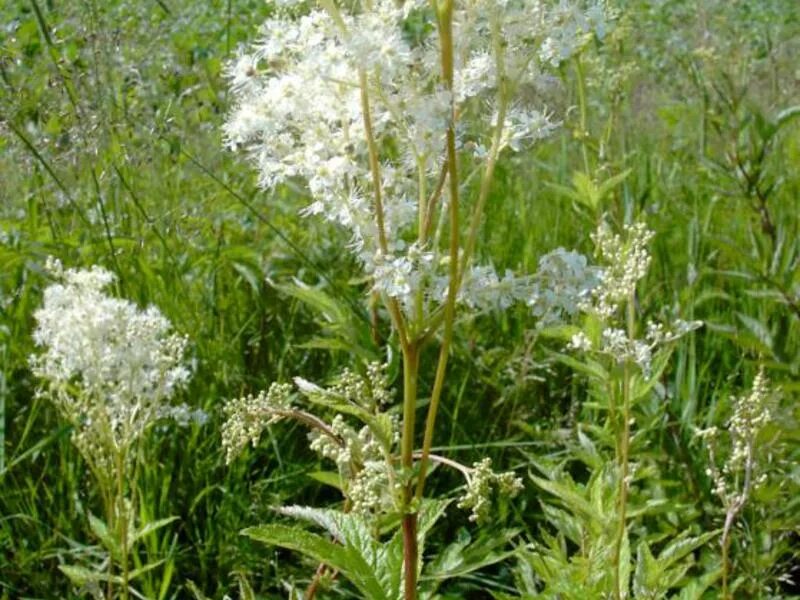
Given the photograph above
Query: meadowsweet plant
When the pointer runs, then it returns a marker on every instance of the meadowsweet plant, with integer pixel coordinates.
(622, 361)
(742, 471)
(110, 369)
(394, 115)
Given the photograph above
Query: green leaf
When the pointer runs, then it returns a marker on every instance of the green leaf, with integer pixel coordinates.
(569, 494)
(683, 545)
(645, 579)
(149, 528)
(345, 559)
(758, 330)
(198, 594)
(588, 367)
(80, 576)
(625, 561)
(331, 478)
(100, 529)
(144, 569)
(463, 556)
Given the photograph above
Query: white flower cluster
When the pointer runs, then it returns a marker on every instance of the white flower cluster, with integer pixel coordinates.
(564, 282)
(572, 28)
(616, 344)
(300, 96)
(247, 417)
(109, 367)
(740, 472)
(626, 259)
(480, 484)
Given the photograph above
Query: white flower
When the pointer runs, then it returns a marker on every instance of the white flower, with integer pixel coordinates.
(105, 361)
(563, 283)
(298, 112)
(581, 342)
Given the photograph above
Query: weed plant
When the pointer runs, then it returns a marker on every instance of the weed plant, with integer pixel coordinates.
(681, 116)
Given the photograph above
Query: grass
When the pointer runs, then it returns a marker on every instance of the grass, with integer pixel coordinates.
(111, 154)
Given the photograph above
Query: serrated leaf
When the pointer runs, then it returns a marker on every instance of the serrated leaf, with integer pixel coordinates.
(347, 560)
(568, 493)
(683, 545)
(647, 574)
(463, 556)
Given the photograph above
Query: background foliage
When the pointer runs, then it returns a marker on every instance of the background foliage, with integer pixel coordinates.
(110, 115)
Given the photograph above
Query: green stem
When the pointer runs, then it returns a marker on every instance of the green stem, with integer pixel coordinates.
(122, 523)
(445, 24)
(410, 549)
(620, 587)
(583, 113)
(391, 303)
(503, 97)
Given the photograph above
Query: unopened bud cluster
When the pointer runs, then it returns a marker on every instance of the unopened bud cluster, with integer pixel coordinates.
(740, 472)
(248, 416)
(626, 259)
(481, 484)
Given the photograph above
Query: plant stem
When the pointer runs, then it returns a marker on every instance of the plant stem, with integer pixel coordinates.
(624, 447)
(410, 550)
(445, 24)
(391, 303)
(122, 522)
(583, 112)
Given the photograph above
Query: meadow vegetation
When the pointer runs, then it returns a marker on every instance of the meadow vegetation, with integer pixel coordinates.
(615, 369)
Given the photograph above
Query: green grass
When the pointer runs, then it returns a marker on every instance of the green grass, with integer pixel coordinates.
(111, 154)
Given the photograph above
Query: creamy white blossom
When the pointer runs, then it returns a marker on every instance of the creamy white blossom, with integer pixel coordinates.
(299, 112)
(109, 366)
(563, 283)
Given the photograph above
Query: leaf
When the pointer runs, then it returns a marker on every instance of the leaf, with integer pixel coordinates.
(681, 546)
(625, 561)
(149, 528)
(80, 576)
(245, 589)
(568, 495)
(786, 115)
(646, 576)
(758, 329)
(462, 557)
(331, 478)
(347, 330)
(588, 367)
(347, 560)
(198, 594)
(378, 563)
(587, 452)
(144, 569)
(100, 529)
